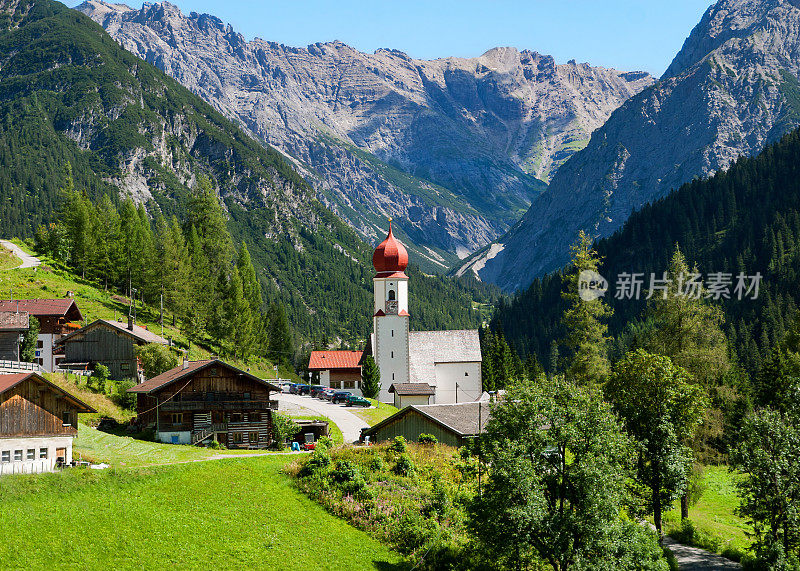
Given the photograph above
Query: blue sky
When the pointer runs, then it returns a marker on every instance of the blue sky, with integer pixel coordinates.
(625, 34)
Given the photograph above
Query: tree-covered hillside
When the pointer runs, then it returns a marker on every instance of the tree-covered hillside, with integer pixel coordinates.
(69, 94)
(741, 221)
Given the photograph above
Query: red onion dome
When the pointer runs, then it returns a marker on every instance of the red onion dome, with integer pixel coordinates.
(390, 255)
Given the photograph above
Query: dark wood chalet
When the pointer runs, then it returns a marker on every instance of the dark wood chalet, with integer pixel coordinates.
(112, 343)
(201, 401)
(38, 421)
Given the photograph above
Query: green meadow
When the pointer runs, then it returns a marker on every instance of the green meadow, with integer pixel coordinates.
(224, 514)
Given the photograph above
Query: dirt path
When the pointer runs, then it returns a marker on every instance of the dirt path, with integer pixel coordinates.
(28, 261)
(696, 559)
(348, 423)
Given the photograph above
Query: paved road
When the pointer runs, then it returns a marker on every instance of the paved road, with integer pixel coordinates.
(348, 423)
(696, 559)
(28, 261)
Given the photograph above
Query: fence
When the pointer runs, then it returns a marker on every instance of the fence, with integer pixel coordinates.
(36, 467)
(20, 366)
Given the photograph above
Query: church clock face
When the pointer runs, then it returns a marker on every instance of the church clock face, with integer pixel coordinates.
(391, 307)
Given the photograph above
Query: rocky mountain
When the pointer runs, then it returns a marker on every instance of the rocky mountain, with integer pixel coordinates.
(455, 148)
(70, 95)
(732, 88)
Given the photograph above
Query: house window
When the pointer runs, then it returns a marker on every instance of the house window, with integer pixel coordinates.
(246, 396)
(31, 454)
(237, 437)
(39, 344)
(349, 384)
(392, 376)
(391, 295)
(17, 455)
(177, 418)
(43, 453)
(392, 332)
(6, 457)
(466, 374)
(392, 354)
(212, 371)
(66, 418)
(236, 417)
(255, 417)
(125, 366)
(253, 437)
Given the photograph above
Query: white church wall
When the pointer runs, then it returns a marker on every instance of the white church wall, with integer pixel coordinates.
(391, 352)
(466, 375)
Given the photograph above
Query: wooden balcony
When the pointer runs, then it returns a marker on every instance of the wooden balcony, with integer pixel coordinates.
(231, 405)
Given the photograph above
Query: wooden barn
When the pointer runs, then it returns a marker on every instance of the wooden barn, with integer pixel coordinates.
(12, 326)
(38, 421)
(451, 424)
(201, 401)
(112, 343)
(407, 394)
(57, 317)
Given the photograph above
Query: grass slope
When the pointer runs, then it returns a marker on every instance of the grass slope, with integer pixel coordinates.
(8, 260)
(238, 513)
(376, 413)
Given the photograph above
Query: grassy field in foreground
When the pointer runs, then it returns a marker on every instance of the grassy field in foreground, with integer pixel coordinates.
(226, 514)
(714, 512)
(374, 414)
(124, 451)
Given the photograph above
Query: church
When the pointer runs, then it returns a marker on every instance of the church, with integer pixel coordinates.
(416, 367)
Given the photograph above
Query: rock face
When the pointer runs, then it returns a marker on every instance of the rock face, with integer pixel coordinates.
(455, 148)
(732, 88)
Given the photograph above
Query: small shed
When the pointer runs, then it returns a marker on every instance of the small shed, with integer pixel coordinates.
(407, 394)
(451, 424)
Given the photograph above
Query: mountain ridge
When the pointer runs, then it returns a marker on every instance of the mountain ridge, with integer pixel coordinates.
(474, 133)
(707, 110)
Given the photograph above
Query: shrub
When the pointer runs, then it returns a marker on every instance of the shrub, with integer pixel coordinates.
(122, 397)
(99, 378)
(283, 428)
(215, 445)
(427, 439)
(345, 471)
(411, 532)
(319, 460)
(399, 445)
(404, 465)
(376, 464)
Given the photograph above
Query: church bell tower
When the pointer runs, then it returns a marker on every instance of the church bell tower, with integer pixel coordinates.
(390, 314)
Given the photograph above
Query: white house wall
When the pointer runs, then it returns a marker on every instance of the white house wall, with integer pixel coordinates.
(466, 375)
(37, 465)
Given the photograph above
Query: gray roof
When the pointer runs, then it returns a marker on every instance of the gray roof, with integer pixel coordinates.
(426, 348)
(137, 332)
(412, 389)
(459, 418)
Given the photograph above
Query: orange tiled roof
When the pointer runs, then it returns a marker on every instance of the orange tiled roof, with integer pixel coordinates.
(322, 360)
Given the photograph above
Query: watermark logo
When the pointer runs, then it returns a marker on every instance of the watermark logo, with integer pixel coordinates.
(716, 285)
(591, 285)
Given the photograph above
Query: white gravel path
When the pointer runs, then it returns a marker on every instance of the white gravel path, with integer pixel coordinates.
(348, 423)
(28, 261)
(696, 559)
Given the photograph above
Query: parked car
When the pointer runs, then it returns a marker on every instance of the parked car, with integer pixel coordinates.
(294, 388)
(341, 396)
(286, 386)
(303, 389)
(314, 390)
(327, 394)
(354, 400)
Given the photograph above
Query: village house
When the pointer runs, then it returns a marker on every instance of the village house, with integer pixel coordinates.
(339, 370)
(38, 422)
(111, 343)
(13, 326)
(202, 401)
(451, 424)
(448, 361)
(56, 317)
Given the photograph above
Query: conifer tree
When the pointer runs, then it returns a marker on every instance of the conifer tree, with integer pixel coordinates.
(586, 332)
(281, 347)
(250, 284)
(370, 378)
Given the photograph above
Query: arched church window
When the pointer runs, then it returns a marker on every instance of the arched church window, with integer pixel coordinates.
(391, 295)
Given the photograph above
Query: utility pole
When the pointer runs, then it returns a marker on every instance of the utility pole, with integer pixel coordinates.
(480, 448)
